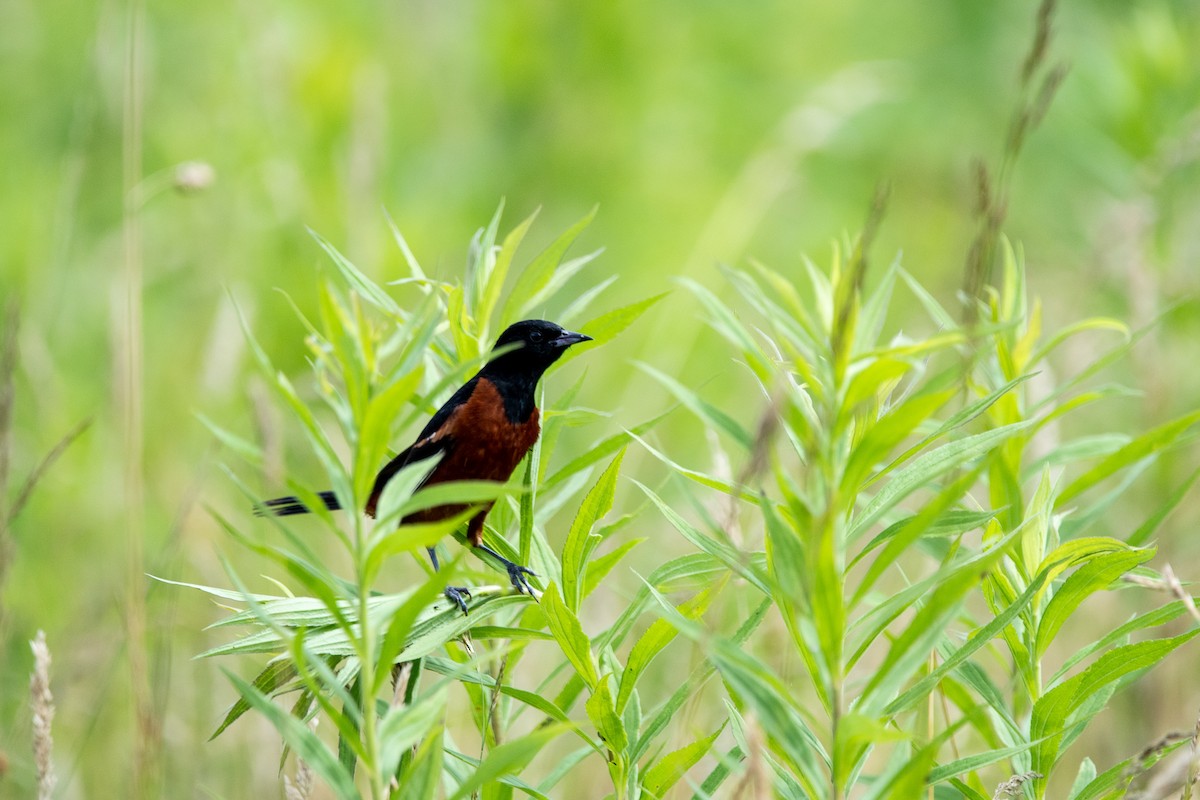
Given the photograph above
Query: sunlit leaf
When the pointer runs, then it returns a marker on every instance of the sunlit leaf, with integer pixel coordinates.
(581, 541)
(570, 636)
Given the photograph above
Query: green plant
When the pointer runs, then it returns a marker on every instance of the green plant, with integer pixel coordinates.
(356, 657)
(897, 482)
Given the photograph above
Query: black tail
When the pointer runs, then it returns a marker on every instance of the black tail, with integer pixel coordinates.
(287, 506)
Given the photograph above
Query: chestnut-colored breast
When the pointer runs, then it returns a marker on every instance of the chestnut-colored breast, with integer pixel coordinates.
(484, 445)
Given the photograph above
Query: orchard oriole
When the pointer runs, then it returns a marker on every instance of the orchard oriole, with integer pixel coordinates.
(483, 431)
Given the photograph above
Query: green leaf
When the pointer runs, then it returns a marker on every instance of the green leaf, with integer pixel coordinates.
(718, 775)
(734, 559)
(665, 714)
(726, 323)
(563, 767)
(912, 646)
(402, 620)
(581, 542)
(1079, 551)
(973, 762)
(900, 543)
(224, 594)
(1120, 634)
(509, 758)
(608, 722)
(358, 281)
(876, 444)
(376, 431)
(273, 677)
(667, 771)
(608, 326)
(403, 727)
(926, 468)
(570, 636)
(300, 738)
(951, 524)
(1085, 775)
(422, 779)
(909, 779)
(495, 283)
(1052, 713)
(721, 485)
(873, 382)
(249, 451)
(658, 636)
(429, 634)
(1147, 444)
(599, 451)
(978, 639)
(538, 273)
(968, 792)
(704, 410)
(1060, 336)
(1095, 575)
(1148, 528)
(751, 680)
(599, 567)
(856, 734)
(1113, 783)
(456, 492)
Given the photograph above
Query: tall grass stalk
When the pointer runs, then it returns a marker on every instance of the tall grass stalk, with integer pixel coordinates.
(128, 379)
(8, 368)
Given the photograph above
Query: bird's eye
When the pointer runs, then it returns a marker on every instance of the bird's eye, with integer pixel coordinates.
(535, 336)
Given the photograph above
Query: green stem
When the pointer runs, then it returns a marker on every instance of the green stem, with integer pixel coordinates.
(366, 649)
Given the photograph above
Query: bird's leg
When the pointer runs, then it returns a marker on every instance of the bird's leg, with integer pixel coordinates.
(516, 573)
(459, 595)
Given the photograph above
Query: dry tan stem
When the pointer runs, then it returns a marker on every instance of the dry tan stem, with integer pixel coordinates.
(42, 705)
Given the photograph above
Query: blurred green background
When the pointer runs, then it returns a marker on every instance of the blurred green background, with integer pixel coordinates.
(706, 132)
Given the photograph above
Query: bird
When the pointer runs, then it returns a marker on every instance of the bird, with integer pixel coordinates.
(481, 433)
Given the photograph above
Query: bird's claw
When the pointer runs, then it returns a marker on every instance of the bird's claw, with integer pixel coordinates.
(459, 595)
(516, 575)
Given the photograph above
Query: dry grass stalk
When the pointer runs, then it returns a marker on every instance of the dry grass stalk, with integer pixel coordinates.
(400, 677)
(40, 470)
(850, 290)
(9, 511)
(494, 707)
(1012, 786)
(1170, 584)
(1178, 773)
(755, 466)
(301, 787)
(991, 200)
(756, 782)
(42, 705)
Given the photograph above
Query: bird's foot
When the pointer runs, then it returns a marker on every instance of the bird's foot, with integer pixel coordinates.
(459, 595)
(516, 575)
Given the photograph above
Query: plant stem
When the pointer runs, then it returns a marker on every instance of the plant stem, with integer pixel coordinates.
(367, 668)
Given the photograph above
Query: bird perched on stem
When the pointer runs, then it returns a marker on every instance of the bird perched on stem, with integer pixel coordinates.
(482, 433)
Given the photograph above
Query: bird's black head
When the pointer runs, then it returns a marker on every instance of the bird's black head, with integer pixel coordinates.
(538, 344)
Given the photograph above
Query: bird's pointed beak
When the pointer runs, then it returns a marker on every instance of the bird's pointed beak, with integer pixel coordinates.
(567, 338)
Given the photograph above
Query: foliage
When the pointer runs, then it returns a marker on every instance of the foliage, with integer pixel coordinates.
(928, 534)
(164, 160)
(905, 479)
(340, 647)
